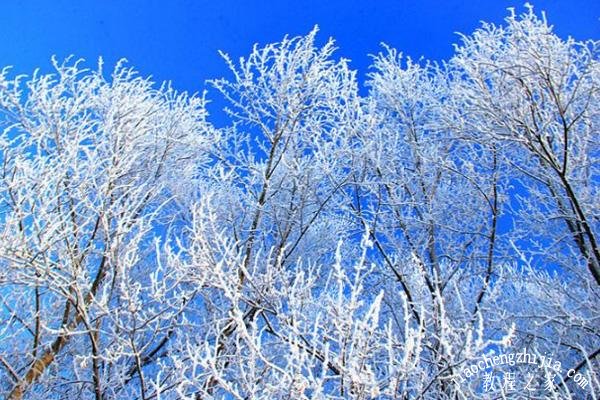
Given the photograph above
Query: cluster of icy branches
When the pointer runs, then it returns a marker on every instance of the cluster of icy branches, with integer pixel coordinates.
(325, 245)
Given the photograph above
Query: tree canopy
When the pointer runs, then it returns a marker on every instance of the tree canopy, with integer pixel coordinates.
(325, 244)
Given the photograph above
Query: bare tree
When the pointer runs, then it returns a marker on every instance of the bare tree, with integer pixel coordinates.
(88, 167)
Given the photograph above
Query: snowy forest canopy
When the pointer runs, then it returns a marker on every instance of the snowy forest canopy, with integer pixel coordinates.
(325, 244)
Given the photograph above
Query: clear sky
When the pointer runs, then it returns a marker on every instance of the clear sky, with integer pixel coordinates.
(178, 40)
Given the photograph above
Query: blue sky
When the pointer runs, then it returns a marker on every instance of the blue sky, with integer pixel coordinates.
(178, 40)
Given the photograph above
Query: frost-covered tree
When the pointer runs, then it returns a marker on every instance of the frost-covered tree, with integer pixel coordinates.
(323, 245)
(90, 167)
(535, 97)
